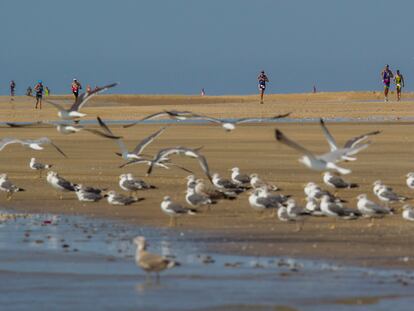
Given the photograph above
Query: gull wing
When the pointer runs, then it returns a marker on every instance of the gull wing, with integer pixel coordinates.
(31, 124)
(84, 97)
(331, 141)
(56, 105)
(7, 141)
(247, 120)
(135, 161)
(286, 141)
(46, 140)
(210, 119)
(102, 134)
(104, 126)
(155, 115)
(356, 140)
(146, 141)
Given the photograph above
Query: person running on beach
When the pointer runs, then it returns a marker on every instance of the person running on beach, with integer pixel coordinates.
(39, 94)
(399, 84)
(262, 78)
(12, 88)
(386, 76)
(76, 86)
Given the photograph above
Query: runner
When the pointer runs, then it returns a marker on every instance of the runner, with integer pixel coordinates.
(39, 94)
(12, 88)
(399, 84)
(76, 86)
(262, 84)
(386, 76)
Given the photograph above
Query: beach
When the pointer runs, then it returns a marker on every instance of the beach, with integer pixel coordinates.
(231, 226)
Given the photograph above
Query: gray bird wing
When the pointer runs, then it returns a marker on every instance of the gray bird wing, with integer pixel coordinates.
(146, 141)
(331, 141)
(248, 120)
(286, 141)
(84, 97)
(356, 140)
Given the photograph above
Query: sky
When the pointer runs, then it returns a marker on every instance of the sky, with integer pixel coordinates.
(181, 46)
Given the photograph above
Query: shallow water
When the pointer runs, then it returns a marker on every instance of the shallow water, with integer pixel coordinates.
(74, 263)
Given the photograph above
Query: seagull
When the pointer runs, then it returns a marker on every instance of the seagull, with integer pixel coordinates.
(151, 262)
(213, 194)
(229, 126)
(349, 144)
(59, 183)
(312, 190)
(35, 144)
(194, 199)
(174, 210)
(191, 181)
(408, 212)
(336, 209)
(37, 166)
(128, 183)
(371, 209)
(410, 180)
(335, 181)
(7, 186)
(172, 114)
(136, 153)
(88, 194)
(318, 163)
(225, 184)
(163, 155)
(386, 194)
(313, 206)
(64, 128)
(73, 112)
(239, 179)
(296, 213)
(119, 199)
(256, 182)
(261, 203)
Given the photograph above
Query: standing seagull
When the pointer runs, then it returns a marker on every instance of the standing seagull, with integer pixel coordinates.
(336, 181)
(73, 112)
(317, 163)
(174, 210)
(151, 262)
(59, 183)
(408, 212)
(195, 200)
(239, 179)
(229, 126)
(128, 183)
(35, 144)
(119, 199)
(37, 166)
(371, 209)
(88, 194)
(410, 180)
(7, 186)
(256, 182)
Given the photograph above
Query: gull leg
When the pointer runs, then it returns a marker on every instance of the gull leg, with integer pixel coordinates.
(170, 224)
(40, 173)
(371, 222)
(8, 196)
(299, 225)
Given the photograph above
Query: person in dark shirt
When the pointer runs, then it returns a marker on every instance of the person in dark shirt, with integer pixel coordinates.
(262, 78)
(12, 88)
(386, 75)
(39, 94)
(76, 86)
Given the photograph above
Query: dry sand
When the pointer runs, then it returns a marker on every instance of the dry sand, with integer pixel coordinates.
(231, 226)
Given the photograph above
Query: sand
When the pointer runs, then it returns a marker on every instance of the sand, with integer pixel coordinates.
(231, 226)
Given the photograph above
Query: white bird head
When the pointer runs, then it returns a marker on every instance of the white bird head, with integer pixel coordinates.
(3, 176)
(362, 196)
(254, 175)
(32, 160)
(190, 178)
(122, 176)
(140, 242)
(377, 182)
(235, 170)
(410, 174)
(407, 207)
(167, 198)
(51, 174)
(111, 193)
(129, 176)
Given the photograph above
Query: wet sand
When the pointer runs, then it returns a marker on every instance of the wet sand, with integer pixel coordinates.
(232, 226)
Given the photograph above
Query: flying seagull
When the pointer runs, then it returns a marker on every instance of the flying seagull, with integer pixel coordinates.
(172, 114)
(136, 153)
(73, 112)
(231, 125)
(35, 144)
(64, 128)
(314, 162)
(349, 144)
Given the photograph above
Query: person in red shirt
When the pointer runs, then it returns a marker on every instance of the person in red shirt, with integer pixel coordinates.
(76, 86)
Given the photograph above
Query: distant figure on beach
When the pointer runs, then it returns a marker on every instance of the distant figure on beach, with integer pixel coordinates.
(12, 88)
(399, 84)
(29, 91)
(76, 86)
(314, 89)
(47, 91)
(262, 84)
(386, 76)
(39, 94)
(203, 93)
(88, 88)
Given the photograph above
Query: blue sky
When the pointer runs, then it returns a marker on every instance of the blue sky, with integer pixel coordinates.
(166, 46)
